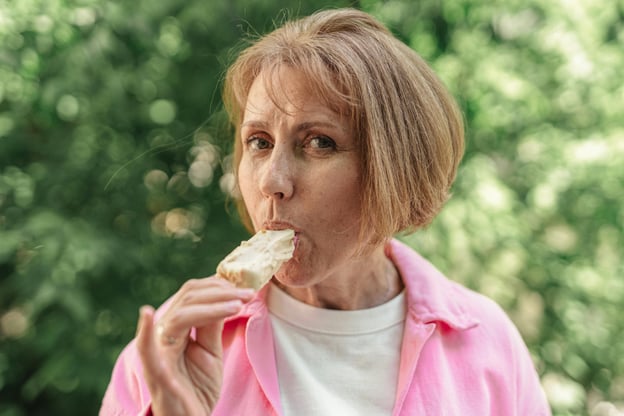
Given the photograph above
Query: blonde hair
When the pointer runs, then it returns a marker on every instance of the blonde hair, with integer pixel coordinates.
(408, 126)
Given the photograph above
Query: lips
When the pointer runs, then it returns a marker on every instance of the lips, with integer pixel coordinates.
(296, 240)
(279, 225)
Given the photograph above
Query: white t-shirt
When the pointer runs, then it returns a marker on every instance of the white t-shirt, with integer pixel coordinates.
(333, 362)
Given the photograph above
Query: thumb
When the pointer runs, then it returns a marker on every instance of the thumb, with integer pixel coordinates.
(208, 337)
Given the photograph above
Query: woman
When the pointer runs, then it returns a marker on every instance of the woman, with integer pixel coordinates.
(344, 135)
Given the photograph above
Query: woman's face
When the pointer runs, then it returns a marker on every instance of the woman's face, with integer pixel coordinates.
(300, 169)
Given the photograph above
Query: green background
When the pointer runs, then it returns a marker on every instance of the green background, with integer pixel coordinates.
(113, 148)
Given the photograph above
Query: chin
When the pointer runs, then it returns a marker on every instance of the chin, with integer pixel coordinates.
(291, 275)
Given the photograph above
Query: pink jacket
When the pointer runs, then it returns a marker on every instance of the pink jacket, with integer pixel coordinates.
(461, 356)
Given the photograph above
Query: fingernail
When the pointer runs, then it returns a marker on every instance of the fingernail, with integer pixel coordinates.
(234, 305)
(246, 292)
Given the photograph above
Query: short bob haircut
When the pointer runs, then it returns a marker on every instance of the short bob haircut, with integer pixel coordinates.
(408, 127)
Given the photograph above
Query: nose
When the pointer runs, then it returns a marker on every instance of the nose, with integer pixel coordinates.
(276, 179)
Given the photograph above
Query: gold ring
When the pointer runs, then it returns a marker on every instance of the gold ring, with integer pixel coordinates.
(169, 340)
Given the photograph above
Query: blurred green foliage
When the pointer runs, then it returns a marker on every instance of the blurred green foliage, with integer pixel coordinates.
(114, 184)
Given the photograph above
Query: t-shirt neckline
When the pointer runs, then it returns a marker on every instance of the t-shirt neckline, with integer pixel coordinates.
(332, 321)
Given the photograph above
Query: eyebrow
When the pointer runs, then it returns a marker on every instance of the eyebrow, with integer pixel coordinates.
(300, 127)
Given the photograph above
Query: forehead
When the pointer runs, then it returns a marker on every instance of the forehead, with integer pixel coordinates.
(279, 87)
(288, 90)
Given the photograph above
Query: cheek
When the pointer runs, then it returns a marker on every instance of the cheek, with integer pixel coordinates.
(245, 176)
(343, 198)
(247, 186)
(348, 189)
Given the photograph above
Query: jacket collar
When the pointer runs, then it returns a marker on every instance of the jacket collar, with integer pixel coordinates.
(253, 307)
(431, 297)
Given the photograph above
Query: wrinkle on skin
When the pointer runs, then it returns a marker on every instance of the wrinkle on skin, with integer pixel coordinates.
(300, 169)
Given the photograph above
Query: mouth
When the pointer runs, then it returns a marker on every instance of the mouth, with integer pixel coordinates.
(296, 240)
(279, 225)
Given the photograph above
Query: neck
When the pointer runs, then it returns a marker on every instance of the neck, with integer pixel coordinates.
(366, 282)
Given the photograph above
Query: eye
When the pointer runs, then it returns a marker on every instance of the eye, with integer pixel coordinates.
(322, 142)
(258, 143)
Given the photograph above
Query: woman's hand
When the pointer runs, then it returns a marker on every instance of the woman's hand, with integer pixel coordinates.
(184, 375)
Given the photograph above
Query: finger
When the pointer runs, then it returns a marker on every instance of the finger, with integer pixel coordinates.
(176, 325)
(196, 305)
(206, 352)
(146, 346)
(207, 349)
(215, 294)
(209, 290)
(208, 332)
(208, 338)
